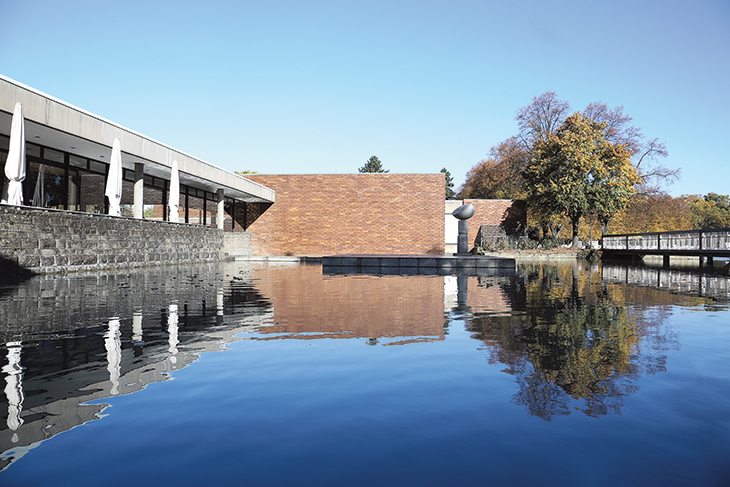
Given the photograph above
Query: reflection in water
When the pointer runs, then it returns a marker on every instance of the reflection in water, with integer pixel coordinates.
(570, 340)
(113, 346)
(574, 345)
(88, 337)
(707, 282)
(14, 388)
(172, 330)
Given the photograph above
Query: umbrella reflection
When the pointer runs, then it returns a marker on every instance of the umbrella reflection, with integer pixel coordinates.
(219, 303)
(137, 327)
(172, 329)
(14, 388)
(113, 344)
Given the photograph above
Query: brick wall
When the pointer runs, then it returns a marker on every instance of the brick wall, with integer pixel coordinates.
(322, 214)
(491, 212)
(44, 240)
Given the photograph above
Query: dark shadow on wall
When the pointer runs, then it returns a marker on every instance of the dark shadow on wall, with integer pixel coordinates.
(250, 213)
(11, 272)
(514, 220)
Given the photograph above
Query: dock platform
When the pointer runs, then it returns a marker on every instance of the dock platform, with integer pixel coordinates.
(444, 265)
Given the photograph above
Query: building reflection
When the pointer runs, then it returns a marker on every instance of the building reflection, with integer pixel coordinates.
(72, 342)
(58, 377)
(385, 310)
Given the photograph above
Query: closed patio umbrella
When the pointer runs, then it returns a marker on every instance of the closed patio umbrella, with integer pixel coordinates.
(174, 200)
(114, 180)
(15, 164)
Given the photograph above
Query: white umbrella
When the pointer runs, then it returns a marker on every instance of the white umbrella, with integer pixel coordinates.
(174, 200)
(39, 195)
(15, 165)
(114, 180)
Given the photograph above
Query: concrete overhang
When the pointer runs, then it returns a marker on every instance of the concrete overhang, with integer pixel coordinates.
(56, 124)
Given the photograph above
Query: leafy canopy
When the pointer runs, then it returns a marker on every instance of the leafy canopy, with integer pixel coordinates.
(577, 172)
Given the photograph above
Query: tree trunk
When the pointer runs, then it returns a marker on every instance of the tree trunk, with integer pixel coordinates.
(575, 220)
(604, 226)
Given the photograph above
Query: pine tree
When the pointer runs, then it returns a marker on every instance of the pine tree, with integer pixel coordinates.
(450, 195)
(372, 166)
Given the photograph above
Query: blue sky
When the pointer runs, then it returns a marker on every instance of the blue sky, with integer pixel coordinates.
(320, 86)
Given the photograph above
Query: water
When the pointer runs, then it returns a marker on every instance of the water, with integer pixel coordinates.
(238, 374)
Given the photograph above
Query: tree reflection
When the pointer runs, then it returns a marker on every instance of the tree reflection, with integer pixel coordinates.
(571, 347)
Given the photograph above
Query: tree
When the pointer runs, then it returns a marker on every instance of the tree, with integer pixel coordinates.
(576, 172)
(373, 166)
(541, 118)
(450, 195)
(710, 211)
(644, 154)
(653, 213)
(500, 176)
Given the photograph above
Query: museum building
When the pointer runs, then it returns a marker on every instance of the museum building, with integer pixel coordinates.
(67, 163)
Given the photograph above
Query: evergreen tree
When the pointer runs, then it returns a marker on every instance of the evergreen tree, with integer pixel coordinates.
(450, 195)
(373, 166)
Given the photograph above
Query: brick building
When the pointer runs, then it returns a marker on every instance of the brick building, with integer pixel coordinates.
(322, 214)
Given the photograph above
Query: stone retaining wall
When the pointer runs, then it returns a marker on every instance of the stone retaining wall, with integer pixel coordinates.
(45, 241)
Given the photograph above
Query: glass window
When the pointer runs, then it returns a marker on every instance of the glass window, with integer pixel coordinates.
(44, 186)
(127, 202)
(32, 150)
(128, 175)
(91, 188)
(196, 216)
(99, 167)
(74, 185)
(4, 143)
(154, 206)
(158, 183)
(77, 161)
(52, 155)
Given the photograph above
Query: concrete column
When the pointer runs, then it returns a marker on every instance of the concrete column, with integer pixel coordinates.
(221, 207)
(138, 190)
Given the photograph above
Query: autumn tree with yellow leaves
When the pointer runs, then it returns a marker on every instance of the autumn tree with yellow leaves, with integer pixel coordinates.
(576, 172)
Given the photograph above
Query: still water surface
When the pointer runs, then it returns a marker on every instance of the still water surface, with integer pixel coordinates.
(245, 374)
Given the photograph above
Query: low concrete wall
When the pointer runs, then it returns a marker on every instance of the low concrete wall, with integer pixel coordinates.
(46, 241)
(237, 244)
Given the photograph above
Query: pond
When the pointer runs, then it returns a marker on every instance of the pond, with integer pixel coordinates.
(240, 373)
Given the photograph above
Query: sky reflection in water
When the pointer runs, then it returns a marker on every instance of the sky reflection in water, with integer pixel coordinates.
(558, 376)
